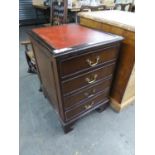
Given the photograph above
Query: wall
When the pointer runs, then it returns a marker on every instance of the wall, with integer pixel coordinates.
(26, 10)
(38, 2)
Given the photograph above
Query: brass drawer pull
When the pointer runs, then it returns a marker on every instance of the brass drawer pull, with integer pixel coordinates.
(91, 81)
(89, 106)
(90, 63)
(87, 94)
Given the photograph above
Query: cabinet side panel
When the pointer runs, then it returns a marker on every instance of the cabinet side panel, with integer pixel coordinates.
(45, 66)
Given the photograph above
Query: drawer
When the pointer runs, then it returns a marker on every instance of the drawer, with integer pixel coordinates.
(84, 94)
(87, 61)
(86, 106)
(87, 79)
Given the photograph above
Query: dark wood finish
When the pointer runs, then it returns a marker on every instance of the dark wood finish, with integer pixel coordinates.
(82, 81)
(72, 96)
(71, 66)
(67, 128)
(89, 92)
(46, 72)
(86, 106)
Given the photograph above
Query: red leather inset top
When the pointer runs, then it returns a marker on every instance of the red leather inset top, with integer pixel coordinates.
(69, 35)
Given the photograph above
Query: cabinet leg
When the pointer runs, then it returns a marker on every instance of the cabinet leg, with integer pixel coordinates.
(103, 107)
(67, 128)
(40, 89)
(44, 93)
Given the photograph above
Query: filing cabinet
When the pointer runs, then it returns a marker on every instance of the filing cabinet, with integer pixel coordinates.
(76, 66)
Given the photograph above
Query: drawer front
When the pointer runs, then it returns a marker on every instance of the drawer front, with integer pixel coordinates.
(87, 61)
(88, 79)
(86, 106)
(71, 100)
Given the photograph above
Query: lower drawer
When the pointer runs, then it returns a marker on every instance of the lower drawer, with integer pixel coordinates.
(86, 106)
(71, 100)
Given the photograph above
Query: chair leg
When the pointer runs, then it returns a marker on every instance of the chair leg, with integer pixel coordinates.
(31, 68)
(40, 89)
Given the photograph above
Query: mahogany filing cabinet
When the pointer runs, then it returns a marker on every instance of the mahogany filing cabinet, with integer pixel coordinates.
(75, 67)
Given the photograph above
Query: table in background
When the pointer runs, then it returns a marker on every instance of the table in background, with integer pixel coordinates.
(120, 23)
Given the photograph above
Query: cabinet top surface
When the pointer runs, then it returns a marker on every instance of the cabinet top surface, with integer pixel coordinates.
(71, 35)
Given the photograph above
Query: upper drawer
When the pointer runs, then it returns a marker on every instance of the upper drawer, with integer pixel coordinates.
(87, 61)
(87, 79)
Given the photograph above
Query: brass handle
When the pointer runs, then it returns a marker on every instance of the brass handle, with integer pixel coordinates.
(87, 94)
(90, 63)
(91, 81)
(89, 106)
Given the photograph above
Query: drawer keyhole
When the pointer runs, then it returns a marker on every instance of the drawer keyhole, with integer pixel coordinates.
(90, 95)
